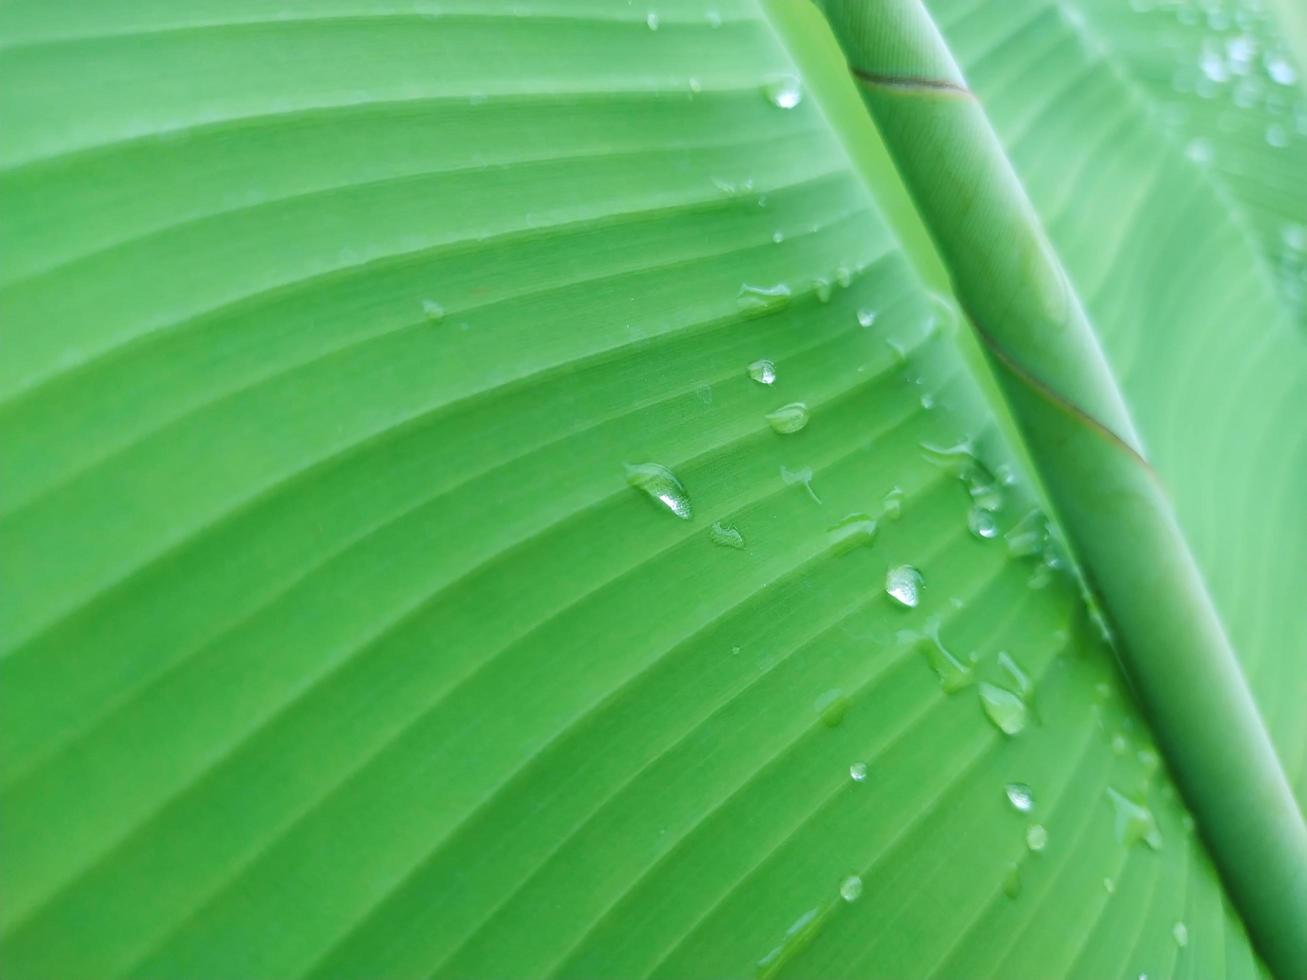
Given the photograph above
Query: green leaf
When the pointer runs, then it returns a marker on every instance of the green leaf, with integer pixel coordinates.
(381, 429)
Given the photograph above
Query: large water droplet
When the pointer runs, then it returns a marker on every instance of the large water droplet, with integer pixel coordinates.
(789, 418)
(651, 21)
(851, 888)
(832, 707)
(726, 535)
(903, 584)
(784, 91)
(1180, 933)
(763, 371)
(1020, 796)
(1003, 708)
(853, 531)
(662, 487)
(761, 300)
(1281, 71)
(801, 478)
(858, 772)
(982, 523)
(1134, 822)
(1036, 837)
(866, 317)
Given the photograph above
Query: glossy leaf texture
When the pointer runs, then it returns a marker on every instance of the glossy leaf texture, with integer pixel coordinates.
(408, 572)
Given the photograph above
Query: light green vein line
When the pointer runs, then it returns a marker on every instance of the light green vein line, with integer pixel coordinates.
(363, 16)
(328, 192)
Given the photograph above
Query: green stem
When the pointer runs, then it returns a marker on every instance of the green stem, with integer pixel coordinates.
(1073, 417)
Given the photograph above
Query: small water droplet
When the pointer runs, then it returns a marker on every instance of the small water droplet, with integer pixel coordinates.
(1028, 536)
(1180, 933)
(853, 531)
(1277, 136)
(726, 535)
(1281, 71)
(761, 300)
(891, 505)
(801, 477)
(851, 888)
(661, 486)
(858, 771)
(788, 419)
(866, 317)
(1187, 821)
(696, 86)
(777, 236)
(1134, 822)
(763, 371)
(843, 276)
(1119, 744)
(823, 290)
(1149, 760)
(1109, 886)
(651, 21)
(713, 17)
(1036, 837)
(832, 707)
(784, 92)
(903, 584)
(1021, 796)
(1003, 708)
(432, 310)
(982, 523)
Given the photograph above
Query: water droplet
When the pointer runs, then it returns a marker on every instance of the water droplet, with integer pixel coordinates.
(851, 888)
(1119, 745)
(1036, 837)
(714, 18)
(853, 531)
(761, 300)
(788, 419)
(784, 92)
(1199, 151)
(1180, 933)
(858, 771)
(1187, 821)
(802, 478)
(1277, 136)
(843, 276)
(1294, 237)
(953, 675)
(832, 707)
(822, 288)
(903, 584)
(726, 535)
(796, 937)
(1149, 760)
(432, 310)
(1028, 535)
(651, 20)
(1004, 709)
(1109, 886)
(866, 317)
(696, 86)
(1020, 796)
(1281, 71)
(982, 486)
(891, 505)
(763, 371)
(662, 487)
(982, 523)
(1012, 881)
(1134, 822)
(777, 236)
